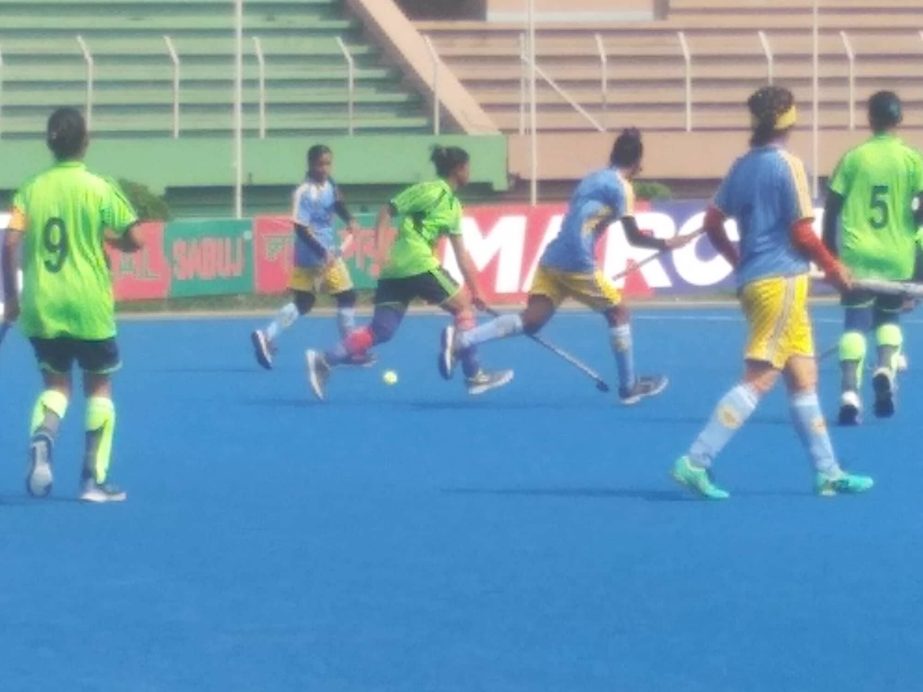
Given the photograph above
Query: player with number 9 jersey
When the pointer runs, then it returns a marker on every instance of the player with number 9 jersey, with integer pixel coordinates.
(63, 214)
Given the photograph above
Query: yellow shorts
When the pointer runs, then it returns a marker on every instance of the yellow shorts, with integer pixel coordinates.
(777, 314)
(592, 289)
(330, 280)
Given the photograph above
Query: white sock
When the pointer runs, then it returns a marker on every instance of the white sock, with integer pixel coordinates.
(282, 321)
(346, 320)
(497, 328)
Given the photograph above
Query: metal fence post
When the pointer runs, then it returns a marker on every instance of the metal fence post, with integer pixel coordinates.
(261, 64)
(687, 58)
(174, 57)
(437, 105)
(350, 83)
(88, 59)
(851, 57)
(603, 77)
(767, 51)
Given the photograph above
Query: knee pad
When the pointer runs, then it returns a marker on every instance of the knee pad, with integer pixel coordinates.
(852, 346)
(889, 334)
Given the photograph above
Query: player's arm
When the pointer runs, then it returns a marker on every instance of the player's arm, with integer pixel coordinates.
(306, 235)
(467, 269)
(9, 260)
(129, 240)
(808, 244)
(639, 238)
(340, 208)
(717, 235)
(832, 208)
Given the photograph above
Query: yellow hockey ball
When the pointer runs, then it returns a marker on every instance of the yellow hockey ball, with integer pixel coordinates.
(389, 377)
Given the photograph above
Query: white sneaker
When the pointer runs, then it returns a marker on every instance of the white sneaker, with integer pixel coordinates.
(850, 408)
(98, 493)
(447, 352)
(262, 348)
(485, 381)
(39, 477)
(318, 373)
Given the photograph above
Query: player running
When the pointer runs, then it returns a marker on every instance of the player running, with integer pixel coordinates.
(872, 194)
(62, 218)
(766, 191)
(318, 265)
(567, 269)
(427, 212)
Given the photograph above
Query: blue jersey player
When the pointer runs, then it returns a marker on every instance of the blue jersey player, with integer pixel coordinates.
(567, 269)
(766, 191)
(318, 265)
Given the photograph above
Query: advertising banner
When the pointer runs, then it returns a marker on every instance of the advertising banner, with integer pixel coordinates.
(209, 257)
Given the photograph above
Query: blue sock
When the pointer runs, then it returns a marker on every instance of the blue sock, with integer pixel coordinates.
(498, 328)
(729, 415)
(812, 429)
(469, 361)
(624, 354)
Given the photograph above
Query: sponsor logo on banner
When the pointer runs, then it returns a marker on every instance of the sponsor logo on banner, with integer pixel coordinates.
(145, 274)
(210, 257)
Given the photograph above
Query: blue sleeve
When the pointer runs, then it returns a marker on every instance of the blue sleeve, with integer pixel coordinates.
(724, 197)
(615, 198)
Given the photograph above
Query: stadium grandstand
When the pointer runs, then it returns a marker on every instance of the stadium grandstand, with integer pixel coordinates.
(157, 81)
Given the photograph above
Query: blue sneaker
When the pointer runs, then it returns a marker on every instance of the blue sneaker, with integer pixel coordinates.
(841, 483)
(697, 479)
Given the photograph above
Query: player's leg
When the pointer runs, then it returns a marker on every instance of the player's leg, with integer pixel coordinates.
(392, 297)
(796, 345)
(808, 419)
(857, 320)
(439, 288)
(766, 305)
(99, 359)
(55, 359)
(890, 340)
(302, 300)
(632, 388)
(544, 297)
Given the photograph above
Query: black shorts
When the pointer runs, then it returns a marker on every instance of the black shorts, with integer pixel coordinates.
(435, 287)
(876, 301)
(58, 355)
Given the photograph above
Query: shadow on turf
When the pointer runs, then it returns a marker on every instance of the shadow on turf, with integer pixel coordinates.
(602, 493)
(26, 501)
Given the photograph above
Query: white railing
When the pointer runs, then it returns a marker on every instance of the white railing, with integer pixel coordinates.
(770, 58)
(350, 84)
(261, 66)
(567, 97)
(603, 76)
(174, 58)
(687, 59)
(1, 92)
(523, 82)
(851, 57)
(437, 104)
(88, 60)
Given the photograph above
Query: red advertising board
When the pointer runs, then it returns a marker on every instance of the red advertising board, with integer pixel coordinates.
(142, 275)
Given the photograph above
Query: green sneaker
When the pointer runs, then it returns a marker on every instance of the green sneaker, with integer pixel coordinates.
(697, 479)
(841, 483)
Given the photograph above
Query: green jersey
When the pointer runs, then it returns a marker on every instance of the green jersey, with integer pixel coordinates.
(428, 211)
(878, 181)
(63, 214)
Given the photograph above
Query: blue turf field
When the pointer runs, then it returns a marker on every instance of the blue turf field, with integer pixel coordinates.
(411, 538)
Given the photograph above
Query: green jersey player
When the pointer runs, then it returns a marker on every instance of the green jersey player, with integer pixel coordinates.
(61, 219)
(875, 195)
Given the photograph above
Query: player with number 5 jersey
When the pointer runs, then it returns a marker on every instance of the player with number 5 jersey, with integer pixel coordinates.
(872, 194)
(61, 219)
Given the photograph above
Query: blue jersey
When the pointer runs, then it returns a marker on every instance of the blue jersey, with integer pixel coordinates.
(314, 207)
(766, 191)
(598, 200)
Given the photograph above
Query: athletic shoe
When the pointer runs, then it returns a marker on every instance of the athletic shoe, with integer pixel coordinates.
(318, 373)
(850, 408)
(91, 491)
(485, 381)
(262, 348)
(39, 477)
(841, 483)
(362, 360)
(697, 479)
(447, 352)
(645, 386)
(884, 386)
